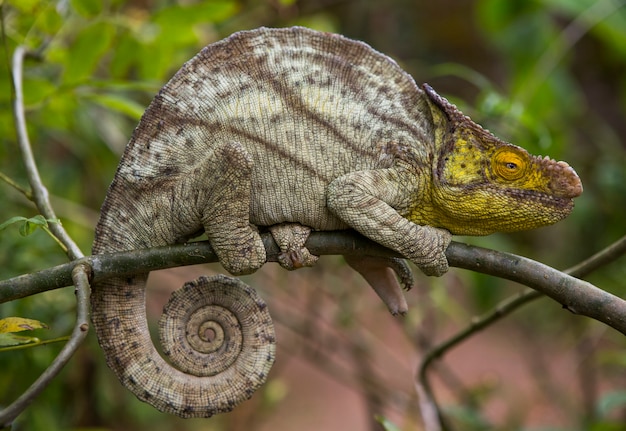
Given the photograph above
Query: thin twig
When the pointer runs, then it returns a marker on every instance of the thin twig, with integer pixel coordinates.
(427, 402)
(501, 310)
(39, 191)
(79, 272)
(16, 186)
(431, 416)
(60, 243)
(35, 344)
(81, 328)
(602, 258)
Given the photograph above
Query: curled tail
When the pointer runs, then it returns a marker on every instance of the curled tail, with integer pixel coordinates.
(216, 332)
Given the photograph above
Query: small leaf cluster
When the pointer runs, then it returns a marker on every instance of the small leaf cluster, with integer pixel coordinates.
(29, 225)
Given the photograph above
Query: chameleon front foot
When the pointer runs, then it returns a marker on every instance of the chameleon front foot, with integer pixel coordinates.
(220, 330)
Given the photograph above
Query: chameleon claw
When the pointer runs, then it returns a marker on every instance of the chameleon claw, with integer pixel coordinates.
(290, 238)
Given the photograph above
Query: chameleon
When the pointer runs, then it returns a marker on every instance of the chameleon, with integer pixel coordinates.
(290, 131)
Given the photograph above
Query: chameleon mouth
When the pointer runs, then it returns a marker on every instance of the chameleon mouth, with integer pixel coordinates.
(547, 200)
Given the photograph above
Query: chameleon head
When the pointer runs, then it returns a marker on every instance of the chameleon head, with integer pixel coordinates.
(483, 185)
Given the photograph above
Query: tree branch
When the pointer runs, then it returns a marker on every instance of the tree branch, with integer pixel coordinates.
(576, 295)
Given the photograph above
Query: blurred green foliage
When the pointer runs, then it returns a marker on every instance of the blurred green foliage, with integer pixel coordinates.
(545, 74)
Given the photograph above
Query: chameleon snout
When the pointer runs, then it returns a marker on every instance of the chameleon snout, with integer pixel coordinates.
(564, 181)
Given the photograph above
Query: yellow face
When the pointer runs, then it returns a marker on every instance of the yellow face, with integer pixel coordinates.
(482, 185)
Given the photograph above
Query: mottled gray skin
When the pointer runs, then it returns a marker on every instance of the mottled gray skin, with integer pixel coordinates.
(253, 130)
(287, 130)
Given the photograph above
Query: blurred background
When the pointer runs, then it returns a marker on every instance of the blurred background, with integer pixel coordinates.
(548, 75)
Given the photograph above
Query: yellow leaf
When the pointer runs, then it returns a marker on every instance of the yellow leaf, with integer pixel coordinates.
(18, 324)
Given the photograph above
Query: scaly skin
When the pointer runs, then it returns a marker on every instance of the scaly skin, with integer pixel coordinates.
(292, 130)
(483, 185)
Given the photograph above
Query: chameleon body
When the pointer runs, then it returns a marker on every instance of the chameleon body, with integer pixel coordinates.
(292, 130)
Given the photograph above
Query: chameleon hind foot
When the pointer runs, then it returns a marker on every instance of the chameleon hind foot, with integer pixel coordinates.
(290, 238)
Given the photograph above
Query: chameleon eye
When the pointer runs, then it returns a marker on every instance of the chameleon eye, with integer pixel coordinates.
(509, 164)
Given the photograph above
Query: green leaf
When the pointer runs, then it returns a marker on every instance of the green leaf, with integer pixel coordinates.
(90, 45)
(176, 20)
(11, 221)
(7, 340)
(386, 423)
(120, 104)
(49, 21)
(29, 225)
(25, 6)
(468, 418)
(87, 8)
(611, 401)
(28, 228)
(19, 324)
(607, 426)
(10, 325)
(38, 89)
(125, 56)
(167, 40)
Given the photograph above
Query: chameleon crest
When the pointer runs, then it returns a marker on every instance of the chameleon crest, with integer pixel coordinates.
(292, 130)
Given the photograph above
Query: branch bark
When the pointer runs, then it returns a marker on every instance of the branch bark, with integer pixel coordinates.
(577, 296)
